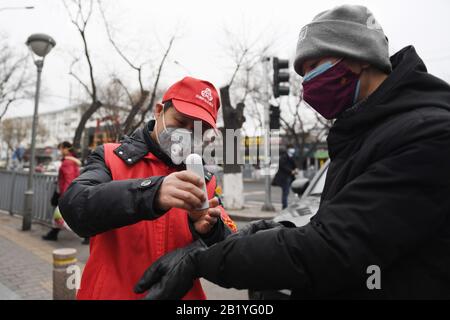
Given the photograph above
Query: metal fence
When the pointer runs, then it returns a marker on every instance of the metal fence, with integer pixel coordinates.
(13, 185)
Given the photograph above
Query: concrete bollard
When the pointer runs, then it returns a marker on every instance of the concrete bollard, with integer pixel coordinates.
(63, 259)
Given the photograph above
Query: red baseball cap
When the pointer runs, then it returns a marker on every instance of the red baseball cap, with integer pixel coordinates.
(195, 98)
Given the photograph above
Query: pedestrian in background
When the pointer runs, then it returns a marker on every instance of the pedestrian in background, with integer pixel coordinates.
(287, 170)
(68, 171)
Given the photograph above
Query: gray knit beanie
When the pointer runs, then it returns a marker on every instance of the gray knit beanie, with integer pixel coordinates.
(347, 31)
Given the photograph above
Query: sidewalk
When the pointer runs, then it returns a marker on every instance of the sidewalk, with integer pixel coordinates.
(26, 260)
(252, 211)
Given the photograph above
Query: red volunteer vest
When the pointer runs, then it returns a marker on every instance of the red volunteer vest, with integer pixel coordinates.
(118, 258)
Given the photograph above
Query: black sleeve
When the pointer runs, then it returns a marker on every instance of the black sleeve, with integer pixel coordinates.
(94, 203)
(384, 214)
(261, 261)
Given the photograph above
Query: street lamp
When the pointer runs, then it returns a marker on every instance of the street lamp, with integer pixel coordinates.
(40, 45)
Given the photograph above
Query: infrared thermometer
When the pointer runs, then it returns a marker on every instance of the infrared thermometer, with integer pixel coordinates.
(194, 164)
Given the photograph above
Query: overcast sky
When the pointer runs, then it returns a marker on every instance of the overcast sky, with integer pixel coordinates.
(143, 29)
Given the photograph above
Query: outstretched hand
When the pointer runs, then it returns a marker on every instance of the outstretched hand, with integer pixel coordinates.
(172, 275)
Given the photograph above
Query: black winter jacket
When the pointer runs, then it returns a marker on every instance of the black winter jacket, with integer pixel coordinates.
(284, 174)
(386, 203)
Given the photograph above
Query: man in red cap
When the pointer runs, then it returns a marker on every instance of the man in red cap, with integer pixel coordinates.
(136, 200)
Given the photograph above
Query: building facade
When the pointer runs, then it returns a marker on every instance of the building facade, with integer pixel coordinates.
(54, 127)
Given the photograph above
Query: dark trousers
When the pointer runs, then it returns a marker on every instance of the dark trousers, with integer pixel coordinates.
(285, 188)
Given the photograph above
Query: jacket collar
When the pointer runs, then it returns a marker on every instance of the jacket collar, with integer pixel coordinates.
(140, 145)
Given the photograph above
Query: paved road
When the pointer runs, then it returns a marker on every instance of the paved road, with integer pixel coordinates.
(254, 193)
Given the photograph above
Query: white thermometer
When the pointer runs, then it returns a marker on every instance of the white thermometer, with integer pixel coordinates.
(194, 164)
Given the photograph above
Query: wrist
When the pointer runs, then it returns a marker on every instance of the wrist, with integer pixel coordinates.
(148, 197)
(157, 206)
(216, 234)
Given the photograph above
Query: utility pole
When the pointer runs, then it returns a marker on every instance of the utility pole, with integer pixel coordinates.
(272, 115)
(268, 206)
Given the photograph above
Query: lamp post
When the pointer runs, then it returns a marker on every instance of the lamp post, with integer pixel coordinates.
(40, 45)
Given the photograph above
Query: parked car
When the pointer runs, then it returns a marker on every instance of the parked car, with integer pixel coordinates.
(299, 212)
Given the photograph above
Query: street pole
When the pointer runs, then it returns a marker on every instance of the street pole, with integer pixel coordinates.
(40, 44)
(28, 211)
(268, 206)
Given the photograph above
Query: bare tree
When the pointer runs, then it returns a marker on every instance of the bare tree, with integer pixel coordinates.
(143, 102)
(15, 81)
(245, 87)
(80, 13)
(140, 102)
(246, 84)
(114, 97)
(155, 84)
(16, 130)
(136, 101)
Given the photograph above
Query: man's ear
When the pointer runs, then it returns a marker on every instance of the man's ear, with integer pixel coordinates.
(158, 110)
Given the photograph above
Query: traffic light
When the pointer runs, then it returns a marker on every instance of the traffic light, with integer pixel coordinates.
(280, 77)
(274, 113)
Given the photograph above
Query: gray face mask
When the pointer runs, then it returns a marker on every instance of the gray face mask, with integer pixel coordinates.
(177, 143)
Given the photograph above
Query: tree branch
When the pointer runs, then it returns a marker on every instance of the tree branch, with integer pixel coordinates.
(155, 85)
(118, 50)
(84, 85)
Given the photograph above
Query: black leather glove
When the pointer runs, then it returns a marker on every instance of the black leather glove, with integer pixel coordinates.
(171, 276)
